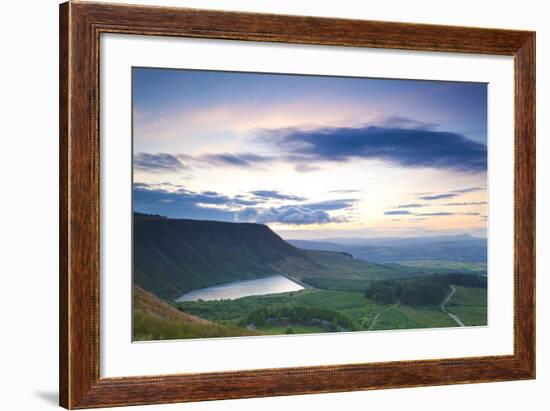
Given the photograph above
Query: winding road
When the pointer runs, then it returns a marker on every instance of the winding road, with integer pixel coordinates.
(377, 316)
(453, 316)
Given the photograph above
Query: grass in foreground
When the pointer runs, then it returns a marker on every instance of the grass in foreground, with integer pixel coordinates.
(148, 327)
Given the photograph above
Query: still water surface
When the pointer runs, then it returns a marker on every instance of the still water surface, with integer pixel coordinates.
(268, 285)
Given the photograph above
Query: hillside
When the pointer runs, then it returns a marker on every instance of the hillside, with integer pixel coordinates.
(344, 266)
(147, 303)
(174, 256)
(153, 319)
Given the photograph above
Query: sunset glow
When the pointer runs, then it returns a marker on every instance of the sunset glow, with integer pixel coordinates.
(313, 157)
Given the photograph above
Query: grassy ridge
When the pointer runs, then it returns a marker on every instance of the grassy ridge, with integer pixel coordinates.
(174, 256)
(149, 328)
(154, 319)
(344, 266)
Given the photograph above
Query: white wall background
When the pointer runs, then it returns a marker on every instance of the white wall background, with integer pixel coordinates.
(28, 205)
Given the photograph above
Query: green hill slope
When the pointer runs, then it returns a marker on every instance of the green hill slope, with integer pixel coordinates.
(174, 256)
(153, 319)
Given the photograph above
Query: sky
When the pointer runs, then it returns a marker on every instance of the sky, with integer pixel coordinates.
(312, 157)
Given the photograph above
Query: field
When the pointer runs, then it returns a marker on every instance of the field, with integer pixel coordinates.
(446, 265)
(363, 314)
(406, 317)
(350, 304)
(342, 293)
(330, 305)
(470, 304)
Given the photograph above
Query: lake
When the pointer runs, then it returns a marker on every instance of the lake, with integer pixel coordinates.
(267, 285)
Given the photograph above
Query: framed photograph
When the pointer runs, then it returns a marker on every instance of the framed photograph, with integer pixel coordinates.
(259, 205)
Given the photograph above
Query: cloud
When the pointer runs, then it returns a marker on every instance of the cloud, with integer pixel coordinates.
(234, 159)
(434, 214)
(293, 215)
(397, 212)
(468, 190)
(411, 205)
(403, 122)
(164, 162)
(157, 163)
(407, 147)
(274, 194)
(305, 168)
(438, 196)
(332, 204)
(297, 214)
(470, 203)
(179, 202)
(343, 191)
(451, 194)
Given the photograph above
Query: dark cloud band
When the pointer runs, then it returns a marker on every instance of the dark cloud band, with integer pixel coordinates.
(413, 147)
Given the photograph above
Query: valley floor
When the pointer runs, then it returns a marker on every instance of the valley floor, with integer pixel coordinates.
(309, 311)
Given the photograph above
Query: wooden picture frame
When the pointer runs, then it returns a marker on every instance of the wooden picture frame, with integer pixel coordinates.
(80, 27)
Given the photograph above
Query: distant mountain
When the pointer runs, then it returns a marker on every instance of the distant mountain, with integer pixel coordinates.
(174, 256)
(405, 241)
(462, 248)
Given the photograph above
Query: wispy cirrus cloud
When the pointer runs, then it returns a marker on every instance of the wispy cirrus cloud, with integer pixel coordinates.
(158, 163)
(234, 159)
(451, 194)
(467, 203)
(344, 191)
(411, 205)
(438, 196)
(305, 168)
(406, 123)
(333, 204)
(274, 194)
(165, 162)
(436, 214)
(468, 190)
(397, 212)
